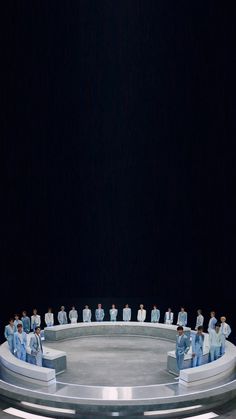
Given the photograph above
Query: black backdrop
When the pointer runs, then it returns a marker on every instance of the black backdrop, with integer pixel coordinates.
(119, 156)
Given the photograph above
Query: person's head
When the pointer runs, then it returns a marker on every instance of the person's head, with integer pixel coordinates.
(113, 306)
(126, 305)
(49, 309)
(99, 305)
(180, 330)
(16, 316)
(182, 309)
(199, 311)
(141, 306)
(73, 308)
(154, 307)
(24, 313)
(37, 330)
(62, 308)
(11, 321)
(19, 328)
(169, 310)
(34, 311)
(86, 306)
(223, 319)
(212, 313)
(200, 330)
(217, 327)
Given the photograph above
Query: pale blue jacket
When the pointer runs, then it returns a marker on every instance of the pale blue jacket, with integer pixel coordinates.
(155, 315)
(99, 314)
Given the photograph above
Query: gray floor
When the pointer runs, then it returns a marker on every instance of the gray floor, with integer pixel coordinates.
(115, 361)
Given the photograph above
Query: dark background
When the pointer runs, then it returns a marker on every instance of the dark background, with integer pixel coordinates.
(119, 181)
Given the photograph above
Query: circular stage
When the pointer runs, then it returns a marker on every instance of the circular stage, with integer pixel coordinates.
(116, 370)
(115, 360)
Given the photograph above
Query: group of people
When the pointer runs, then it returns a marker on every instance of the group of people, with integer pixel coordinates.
(18, 328)
(17, 342)
(218, 333)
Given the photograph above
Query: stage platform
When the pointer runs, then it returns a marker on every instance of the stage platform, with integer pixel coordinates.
(115, 375)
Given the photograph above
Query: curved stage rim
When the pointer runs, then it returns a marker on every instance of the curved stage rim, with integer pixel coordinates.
(62, 399)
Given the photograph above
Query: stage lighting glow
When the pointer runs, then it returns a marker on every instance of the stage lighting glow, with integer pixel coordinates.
(49, 408)
(168, 411)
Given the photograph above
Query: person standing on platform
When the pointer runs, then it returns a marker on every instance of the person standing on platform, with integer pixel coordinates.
(36, 347)
(35, 320)
(113, 313)
(9, 334)
(49, 318)
(225, 329)
(199, 319)
(169, 316)
(126, 313)
(20, 343)
(62, 316)
(182, 347)
(215, 341)
(182, 317)
(212, 321)
(25, 321)
(197, 347)
(141, 317)
(87, 315)
(17, 321)
(99, 313)
(155, 315)
(73, 315)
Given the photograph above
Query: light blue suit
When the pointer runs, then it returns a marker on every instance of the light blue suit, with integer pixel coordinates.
(9, 335)
(197, 349)
(126, 314)
(155, 315)
(36, 349)
(182, 347)
(211, 324)
(20, 343)
(182, 318)
(62, 317)
(26, 323)
(113, 314)
(99, 314)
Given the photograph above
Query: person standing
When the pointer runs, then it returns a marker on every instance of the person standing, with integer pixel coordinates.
(212, 321)
(73, 315)
(35, 320)
(99, 313)
(155, 315)
(141, 317)
(17, 321)
(169, 316)
(182, 347)
(62, 316)
(25, 321)
(182, 317)
(215, 341)
(87, 315)
(199, 319)
(9, 334)
(36, 347)
(113, 313)
(49, 318)
(225, 329)
(20, 343)
(197, 347)
(126, 313)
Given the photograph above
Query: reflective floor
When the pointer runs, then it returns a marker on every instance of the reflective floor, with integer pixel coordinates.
(116, 371)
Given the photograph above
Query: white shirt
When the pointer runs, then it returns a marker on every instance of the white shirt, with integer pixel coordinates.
(141, 315)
